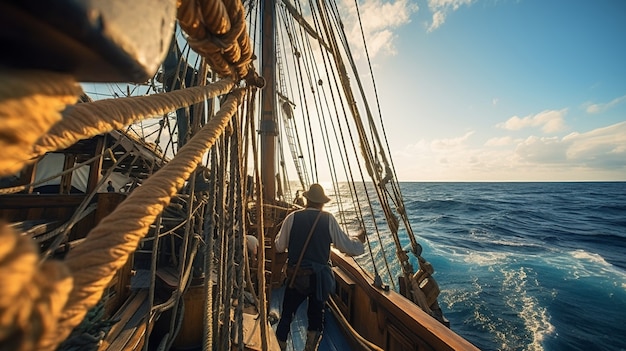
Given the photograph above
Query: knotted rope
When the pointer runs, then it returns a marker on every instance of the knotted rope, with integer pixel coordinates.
(30, 103)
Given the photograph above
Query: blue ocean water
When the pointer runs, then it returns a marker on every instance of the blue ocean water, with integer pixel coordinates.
(521, 266)
(527, 266)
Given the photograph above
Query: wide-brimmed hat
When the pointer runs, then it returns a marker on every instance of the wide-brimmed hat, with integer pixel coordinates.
(316, 194)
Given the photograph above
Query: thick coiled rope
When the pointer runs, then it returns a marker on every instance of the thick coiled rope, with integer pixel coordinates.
(217, 31)
(31, 297)
(86, 120)
(30, 103)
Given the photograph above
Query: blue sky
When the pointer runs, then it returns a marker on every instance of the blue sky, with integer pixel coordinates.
(501, 90)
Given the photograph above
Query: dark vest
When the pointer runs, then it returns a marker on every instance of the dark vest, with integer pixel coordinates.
(318, 249)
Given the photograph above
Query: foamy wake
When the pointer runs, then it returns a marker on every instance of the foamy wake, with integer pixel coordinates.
(485, 258)
(589, 264)
(536, 319)
(588, 256)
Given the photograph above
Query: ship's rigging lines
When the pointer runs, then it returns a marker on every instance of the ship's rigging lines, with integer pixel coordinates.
(333, 98)
(291, 132)
(325, 18)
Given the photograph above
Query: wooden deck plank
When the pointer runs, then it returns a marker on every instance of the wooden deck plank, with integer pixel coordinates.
(130, 314)
(252, 333)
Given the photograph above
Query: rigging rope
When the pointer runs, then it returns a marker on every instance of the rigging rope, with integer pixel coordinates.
(217, 31)
(89, 119)
(30, 103)
(209, 229)
(262, 296)
(31, 296)
(390, 175)
(129, 222)
(40, 309)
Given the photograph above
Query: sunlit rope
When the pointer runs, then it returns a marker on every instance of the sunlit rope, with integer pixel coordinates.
(329, 68)
(239, 230)
(217, 31)
(243, 155)
(366, 148)
(30, 103)
(31, 296)
(88, 119)
(396, 190)
(227, 243)
(375, 169)
(260, 216)
(108, 245)
(208, 233)
(77, 215)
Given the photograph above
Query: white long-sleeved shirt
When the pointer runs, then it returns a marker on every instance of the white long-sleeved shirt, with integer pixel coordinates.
(342, 241)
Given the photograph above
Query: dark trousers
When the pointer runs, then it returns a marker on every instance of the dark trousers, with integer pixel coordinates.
(291, 301)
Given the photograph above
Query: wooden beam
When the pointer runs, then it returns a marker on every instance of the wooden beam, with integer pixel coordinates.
(27, 176)
(66, 179)
(96, 166)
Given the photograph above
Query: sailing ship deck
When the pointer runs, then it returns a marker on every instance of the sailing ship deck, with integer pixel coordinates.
(332, 340)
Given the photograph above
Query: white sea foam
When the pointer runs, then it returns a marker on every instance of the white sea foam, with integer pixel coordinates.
(462, 296)
(513, 243)
(516, 285)
(588, 264)
(588, 256)
(485, 258)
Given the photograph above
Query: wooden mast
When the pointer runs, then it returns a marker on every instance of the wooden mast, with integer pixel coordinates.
(268, 128)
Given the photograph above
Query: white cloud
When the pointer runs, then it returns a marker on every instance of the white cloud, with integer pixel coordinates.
(502, 141)
(541, 150)
(599, 154)
(549, 121)
(441, 8)
(380, 19)
(452, 143)
(598, 108)
(603, 147)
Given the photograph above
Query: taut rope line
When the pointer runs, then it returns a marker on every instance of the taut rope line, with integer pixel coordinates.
(37, 310)
(86, 120)
(91, 264)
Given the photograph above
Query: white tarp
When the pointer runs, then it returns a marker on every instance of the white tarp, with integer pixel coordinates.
(52, 164)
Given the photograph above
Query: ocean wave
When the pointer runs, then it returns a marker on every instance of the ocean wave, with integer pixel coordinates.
(486, 258)
(522, 265)
(588, 256)
(596, 265)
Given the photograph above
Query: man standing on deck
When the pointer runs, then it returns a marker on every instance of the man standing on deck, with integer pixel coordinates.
(308, 271)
